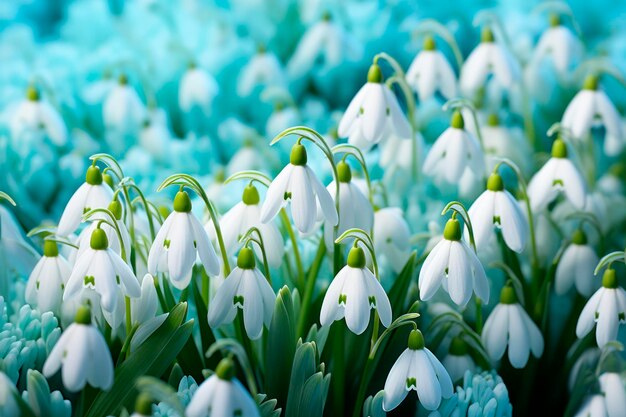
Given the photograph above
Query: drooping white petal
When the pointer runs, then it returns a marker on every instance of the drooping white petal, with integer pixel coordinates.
(324, 198)
(432, 271)
(459, 274)
(615, 396)
(495, 332)
(513, 223)
(357, 308)
(587, 318)
(252, 305)
(303, 206)
(428, 385)
(330, 304)
(275, 196)
(204, 247)
(396, 388)
(519, 343)
(222, 304)
(382, 301)
(608, 318)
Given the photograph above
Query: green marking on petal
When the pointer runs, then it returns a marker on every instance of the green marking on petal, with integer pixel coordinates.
(496, 220)
(90, 280)
(166, 243)
(411, 382)
(372, 300)
(238, 300)
(343, 298)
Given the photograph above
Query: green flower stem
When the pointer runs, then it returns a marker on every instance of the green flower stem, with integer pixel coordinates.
(296, 252)
(307, 296)
(129, 322)
(459, 208)
(144, 201)
(338, 372)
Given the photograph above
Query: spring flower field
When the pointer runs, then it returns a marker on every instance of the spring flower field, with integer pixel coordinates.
(307, 208)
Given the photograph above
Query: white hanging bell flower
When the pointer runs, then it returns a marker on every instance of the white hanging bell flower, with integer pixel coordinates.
(607, 308)
(245, 288)
(612, 386)
(101, 269)
(242, 217)
(82, 355)
(356, 210)
(47, 281)
(510, 325)
(458, 359)
(93, 193)
(177, 244)
(144, 307)
(35, 116)
(497, 208)
(222, 395)
(454, 264)
(560, 45)
(392, 237)
(297, 182)
(197, 89)
(430, 72)
(558, 175)
(454, 151)
(502, 141)
(353, 293)
(263, 69)
(591, 106)
(488, 58)
(417, 369)
(123, 110)
(373, 114)
(576, 267)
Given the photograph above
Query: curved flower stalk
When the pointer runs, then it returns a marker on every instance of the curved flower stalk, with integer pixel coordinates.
(431, 73)
(82, 355)
(247, 289)
(373, 114)
(591, 107)
(419, 370)
(606, 308)
(510, 325)
(576, 266)
(47, 280)
(222, 395)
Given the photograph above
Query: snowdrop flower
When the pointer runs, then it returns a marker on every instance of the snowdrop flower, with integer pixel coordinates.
(560, 45)
(593, 406)
(245, 288)
(576, 266)
(417, 369)
(123, 110)
(263, 69)
(430, 72)
(34, 116)
(391, 237)
(356, 210)
(502, 141)
(222, 395)
(241, 218)
(180, 239)
(454, 151)
(144, 307)
(353, 293)
(92, 194)
(197, 89)
(497, 208)
(101, 269)
(82, 355)
(8, 404)
(509, 324)
(558, 175)
(486, 59)
(298, 183)
(607, 308)
(45, 284)
(591, 106)
(458, 359)
(452, 262)
(373, 114)
(612, 387)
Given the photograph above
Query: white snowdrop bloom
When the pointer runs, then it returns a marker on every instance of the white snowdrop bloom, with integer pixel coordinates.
(500, 141)
(458, 359)
(47, 281)
(397, 155)
(560, 45)
(417, 369)
(373, 114)
(155, 138)
(454, 151)
(18, 255)
(612, 387)
(297, 182)
(558, 175)
(510, 325)
(325, 42)
(576, 266)
(197, 88)
(144, 307)
(430, 72)
(222, 395)
(392, 237)
(593, 406)
(264, 70)
(123, 110)
(34, 116)
(101, 269)
(241, 218)
(607, 308)
(497, 208)
(488, 58)
(355, 208)
(245, 288)
(8, 404)
(592, 107)
(93, 193)
(353, 293)
(82, 355)
(454, 264)
(177, 244)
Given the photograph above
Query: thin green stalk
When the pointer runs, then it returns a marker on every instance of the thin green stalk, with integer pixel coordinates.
(129, 322)
(310, 287)
(338, 379)
(296, 252)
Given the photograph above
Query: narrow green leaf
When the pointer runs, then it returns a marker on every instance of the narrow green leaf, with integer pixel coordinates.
(304, 364)
(314, 394)
(400, 287)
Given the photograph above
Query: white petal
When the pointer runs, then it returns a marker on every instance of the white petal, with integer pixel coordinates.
(395, 385)
(573, 183)
(275, 196)
(325, 199)
(615, 395)
(481, 215)
(181, 254)
(428, 386)
(221, 305)
(382, 301)
(330, 304)
(459, 275)
(203, 246)
(514, 225)
(76, 363)
(608, 319)
(432, 271)
(587, 318)
(444, 378)
(357, 304)
(100, 371)
(519, 345)
(303, 206)
(374, 116)
(252, 305)
(495, 332)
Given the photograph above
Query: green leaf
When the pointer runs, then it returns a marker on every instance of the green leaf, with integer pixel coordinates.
(400, 287)
(25, 410)
(176, 374)
(307, 383)
(233, 346)
(318, 335)
(281, 347)
(160, 391)
(5, 196)
(373, 406)
(151, 359)
(314, 395)
(267, 407)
